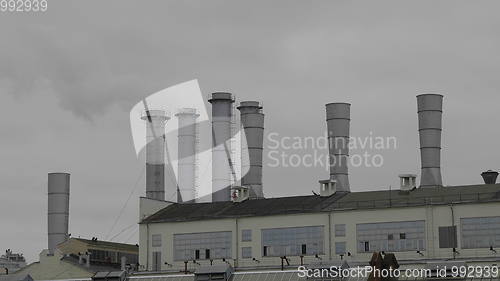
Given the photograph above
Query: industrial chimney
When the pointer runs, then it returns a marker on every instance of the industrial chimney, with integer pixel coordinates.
(489, 177)
(338, 118)
(58, 209)
(429, 127)
(186, 172)
(252, 121)
(222, 112)
(155, 153)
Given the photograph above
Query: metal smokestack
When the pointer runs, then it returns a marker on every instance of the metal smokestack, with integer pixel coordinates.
(58, 209)
(155, 153)
(430, 111)
(187, 153)
(252, 121)
(338, 118)
(222, 112)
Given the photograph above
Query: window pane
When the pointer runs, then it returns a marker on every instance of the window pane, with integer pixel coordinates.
(246, 252)
(391, 236)
(204, 245)
(293, 241)
(156, 240)
(340, 230)
(480, 232)
(246, 235)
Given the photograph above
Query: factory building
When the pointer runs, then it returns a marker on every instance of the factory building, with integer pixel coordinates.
(422, 224)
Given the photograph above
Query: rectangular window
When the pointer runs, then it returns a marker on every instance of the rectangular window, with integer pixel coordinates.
(197, 254)
(447, 237)
(340, 248)
(304, 249)
(288, 241)
(218, 243)
(246, 252)
(391, 236)
(156, 261)
(207, 254)
(480, 232)
(340, 230)
(156, 240)
(264, 251)
(246, 235)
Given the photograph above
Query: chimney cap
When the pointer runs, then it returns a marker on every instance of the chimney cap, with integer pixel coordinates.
(155, 113)
(220, 96)
(250, 104)
(430, 94)
(333, 103)
(187, 111)
(407, 175)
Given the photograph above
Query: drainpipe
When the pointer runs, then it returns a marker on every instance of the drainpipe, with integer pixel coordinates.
(453, 224)
(237, 244)
(147, 247)
(329, 236)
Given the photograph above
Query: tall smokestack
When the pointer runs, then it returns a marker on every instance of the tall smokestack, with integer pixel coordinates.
(338, 118)
(187, 153)
(58, 209)
(222, 112)
(430, 111)
(155, 153)
(252, 120)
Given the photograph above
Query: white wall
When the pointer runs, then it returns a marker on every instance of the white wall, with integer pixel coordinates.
(435, 216)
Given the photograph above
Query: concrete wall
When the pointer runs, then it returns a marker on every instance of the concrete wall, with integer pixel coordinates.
(434, 216)
(51, 267)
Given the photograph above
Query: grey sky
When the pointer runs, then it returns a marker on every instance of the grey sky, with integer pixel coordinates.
(69, 77)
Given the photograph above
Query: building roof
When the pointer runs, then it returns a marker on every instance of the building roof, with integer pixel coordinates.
(340, 201)
(16, 277)
(98, 244)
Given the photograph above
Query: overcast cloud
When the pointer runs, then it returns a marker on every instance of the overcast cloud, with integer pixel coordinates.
(69, 77)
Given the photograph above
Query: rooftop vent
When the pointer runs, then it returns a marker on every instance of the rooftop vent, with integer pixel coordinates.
(489, 177)
(327, 187)
(222, 272)
(239, 193)
(110, 275)
(408, 181)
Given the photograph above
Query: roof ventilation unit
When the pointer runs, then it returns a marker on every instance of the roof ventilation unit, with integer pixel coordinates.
(327, 187)
(239, 193)
(489, 177)
(221, 272)
(408, 181)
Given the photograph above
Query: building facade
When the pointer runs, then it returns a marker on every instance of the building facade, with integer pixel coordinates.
(421, 225)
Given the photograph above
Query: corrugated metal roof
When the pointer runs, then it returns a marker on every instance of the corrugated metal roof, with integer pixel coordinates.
(338, 201)
(109, 245)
